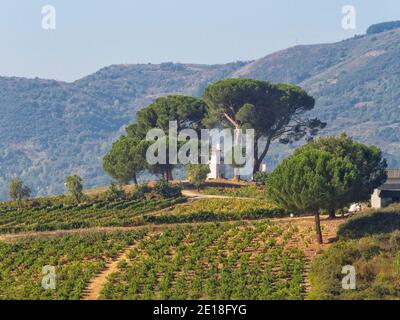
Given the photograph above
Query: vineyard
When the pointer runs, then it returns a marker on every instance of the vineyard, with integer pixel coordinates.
(250, 191)
(218, 210)
(204, 248)
(265, 259)
(97, 213)
(75, 258)
(218, 261)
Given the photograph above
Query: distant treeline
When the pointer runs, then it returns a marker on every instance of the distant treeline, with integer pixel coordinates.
(382, 27)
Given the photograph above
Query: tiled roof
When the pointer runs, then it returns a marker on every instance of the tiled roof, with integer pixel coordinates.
(393, 173)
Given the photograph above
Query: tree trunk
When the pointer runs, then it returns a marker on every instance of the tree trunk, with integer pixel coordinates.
(332, 213)
(169, 174)
(256, 160)
(236, 171)
(318, 228)
(257, 165)
(259, 159)
(135, 179)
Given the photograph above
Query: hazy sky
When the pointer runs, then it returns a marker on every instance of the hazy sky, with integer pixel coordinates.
(91, 34)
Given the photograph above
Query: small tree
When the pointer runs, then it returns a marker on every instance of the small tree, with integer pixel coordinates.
(17, 191)
(307, 181)
(367, 159)
(74, 187)
(115, 192)
(126, 159)
(167, 190)
(197, 174)
(188, 112)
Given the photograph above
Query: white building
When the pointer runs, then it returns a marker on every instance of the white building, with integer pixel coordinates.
(219, 170)
(217, 166)
(389, 192)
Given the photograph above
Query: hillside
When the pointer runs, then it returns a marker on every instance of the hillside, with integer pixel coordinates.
(143, 245)
(355, 83)
(51, 129)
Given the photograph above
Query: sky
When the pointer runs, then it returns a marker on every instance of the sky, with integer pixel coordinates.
(91, 34)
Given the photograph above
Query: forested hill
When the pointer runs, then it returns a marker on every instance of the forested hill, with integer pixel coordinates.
(356, 84)
(51, 129)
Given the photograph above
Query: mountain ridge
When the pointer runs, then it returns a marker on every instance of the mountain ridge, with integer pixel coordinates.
(51, 128)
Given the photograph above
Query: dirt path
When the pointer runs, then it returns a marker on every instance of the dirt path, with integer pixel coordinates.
(93, 289)
(329, 233)
(92, 292)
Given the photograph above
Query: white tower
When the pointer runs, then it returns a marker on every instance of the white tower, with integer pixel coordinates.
(217, 166)
(263, 167)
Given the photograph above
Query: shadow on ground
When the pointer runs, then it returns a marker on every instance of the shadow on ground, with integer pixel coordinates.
(371, 223)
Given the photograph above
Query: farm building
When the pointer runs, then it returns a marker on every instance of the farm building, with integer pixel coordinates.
(389, 192)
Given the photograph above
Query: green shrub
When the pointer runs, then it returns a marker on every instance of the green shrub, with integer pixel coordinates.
(376, 261)
(261, 178)
(166, 190)
(197, 174)
(115, 192)
(212, 216)
(75, 187)
(140, 191)
(371, 223)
